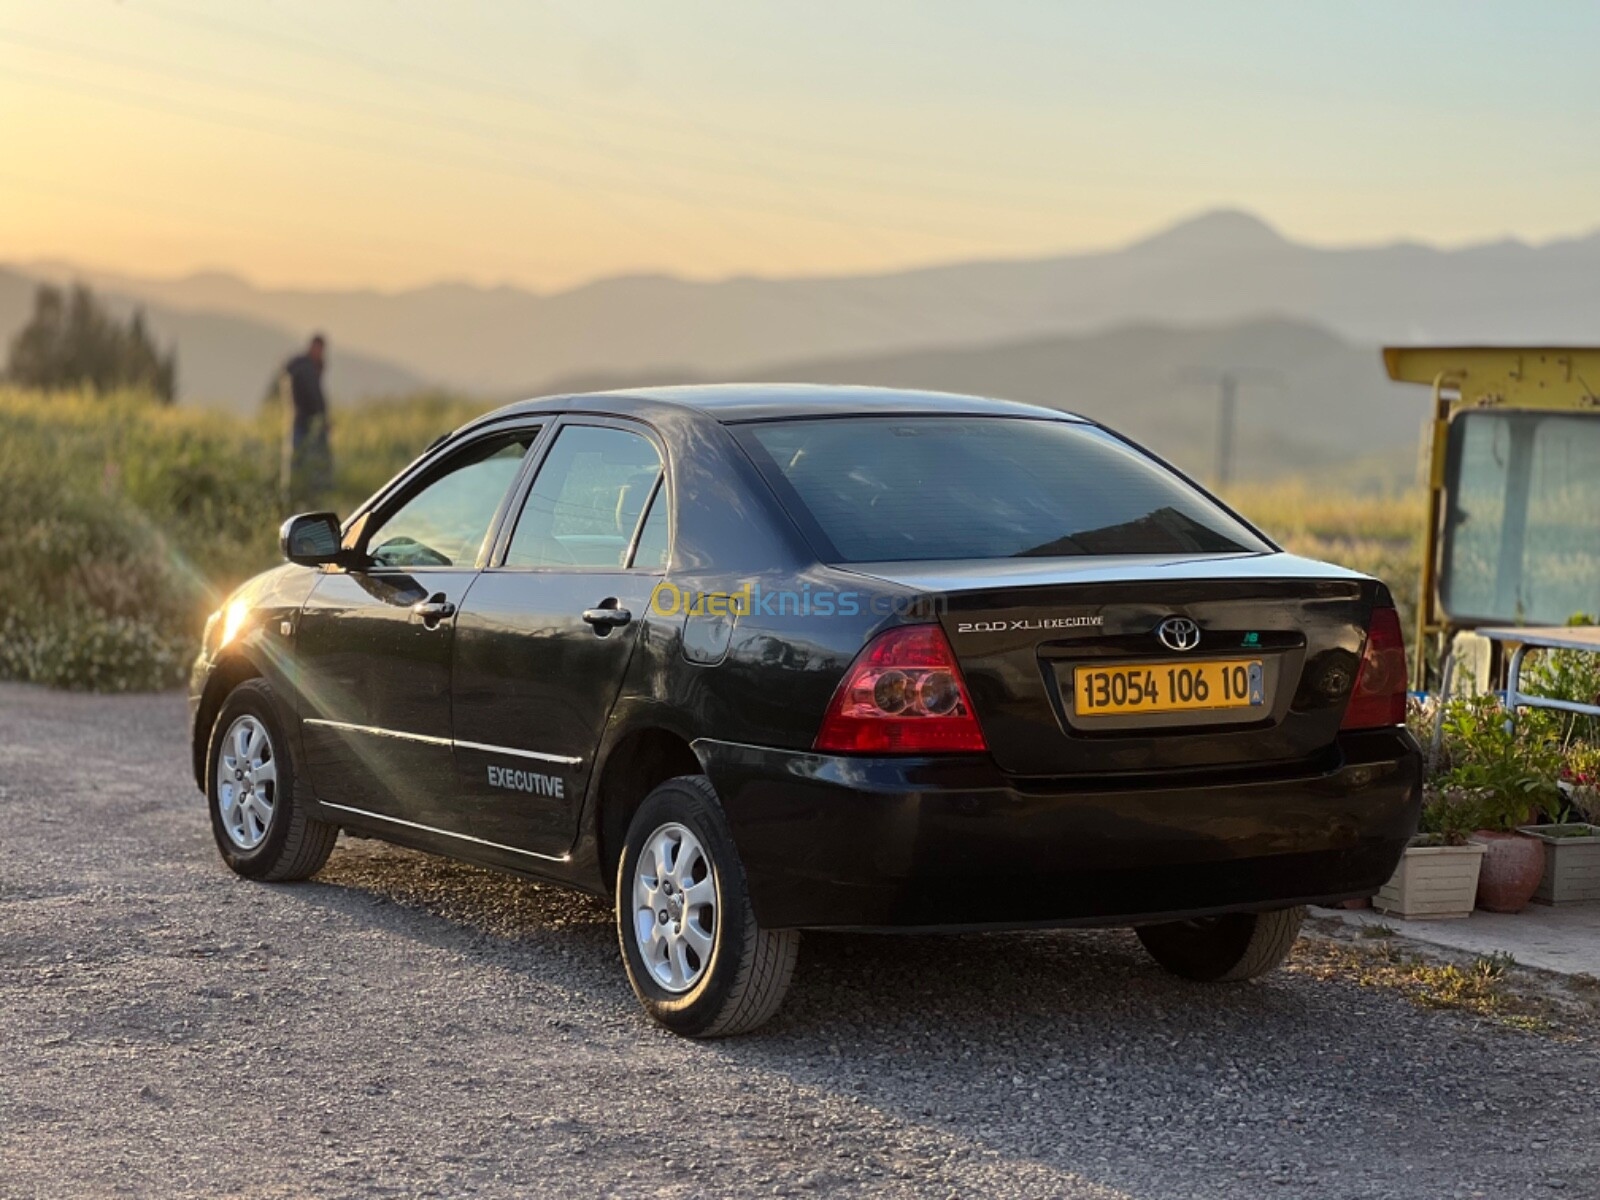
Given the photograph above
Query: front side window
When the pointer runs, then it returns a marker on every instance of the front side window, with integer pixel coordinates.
(444, 524)
(587, 500)
(894, 489)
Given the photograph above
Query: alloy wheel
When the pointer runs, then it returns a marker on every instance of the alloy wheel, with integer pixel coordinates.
(675, 907)
(247, 782)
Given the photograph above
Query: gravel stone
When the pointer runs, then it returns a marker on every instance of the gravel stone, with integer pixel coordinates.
(405, 1026)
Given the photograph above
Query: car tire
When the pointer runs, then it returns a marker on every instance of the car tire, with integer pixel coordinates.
(259, 820)
(697, 959)
(1224, 949)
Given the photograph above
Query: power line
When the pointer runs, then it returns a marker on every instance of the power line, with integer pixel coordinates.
(319, 136)
(410, 71)
(587, 186)
(563, 109)
(808, 205)
(408, 116)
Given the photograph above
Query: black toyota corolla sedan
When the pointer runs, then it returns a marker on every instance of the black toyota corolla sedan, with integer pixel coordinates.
(748, 660)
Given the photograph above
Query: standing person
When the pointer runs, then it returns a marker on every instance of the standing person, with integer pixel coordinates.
(310, 460)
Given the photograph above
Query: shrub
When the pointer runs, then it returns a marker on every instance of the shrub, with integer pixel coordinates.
(126, 521)
(1450, 815)
(1566, 675)
(90, 651)
(1511, 768)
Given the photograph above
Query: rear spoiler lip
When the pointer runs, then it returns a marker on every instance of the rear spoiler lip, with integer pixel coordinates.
(950, 576)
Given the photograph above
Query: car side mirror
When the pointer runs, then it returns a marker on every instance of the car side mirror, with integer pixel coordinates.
(311, 539)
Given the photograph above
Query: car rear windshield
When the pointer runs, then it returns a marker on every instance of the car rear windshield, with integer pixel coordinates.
(893, 489)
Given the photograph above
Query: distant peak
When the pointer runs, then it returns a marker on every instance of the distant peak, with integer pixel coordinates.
(1221, 229)
(211, 275)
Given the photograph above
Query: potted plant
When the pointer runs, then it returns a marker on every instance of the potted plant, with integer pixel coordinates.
(1571, 842)
(1419, 720)
(1511, 767)
(1513, 865)
(1438, 873)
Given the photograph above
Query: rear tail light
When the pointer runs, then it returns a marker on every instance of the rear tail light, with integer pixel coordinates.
(903, 695)
(1379, 697)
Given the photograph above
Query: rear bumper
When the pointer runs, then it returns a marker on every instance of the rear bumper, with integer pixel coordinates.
(835, 842)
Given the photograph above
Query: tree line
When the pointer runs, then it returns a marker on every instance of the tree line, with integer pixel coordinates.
(72, 340)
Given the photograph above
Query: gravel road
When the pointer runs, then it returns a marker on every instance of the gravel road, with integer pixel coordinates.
(403, 1026)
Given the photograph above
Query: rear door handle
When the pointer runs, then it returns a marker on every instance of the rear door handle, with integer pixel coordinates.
(607, 618)
(433, 611)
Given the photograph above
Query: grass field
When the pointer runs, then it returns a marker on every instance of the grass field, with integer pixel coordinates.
(1375, 531)
(126, 522)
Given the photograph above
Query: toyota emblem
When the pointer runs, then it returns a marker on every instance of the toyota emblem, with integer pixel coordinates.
(1178, 633)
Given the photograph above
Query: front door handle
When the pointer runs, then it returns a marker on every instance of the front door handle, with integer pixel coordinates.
(433, 610)
(604, 619)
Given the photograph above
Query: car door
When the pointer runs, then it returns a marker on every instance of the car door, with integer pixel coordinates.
(545, 635)
(373, 647)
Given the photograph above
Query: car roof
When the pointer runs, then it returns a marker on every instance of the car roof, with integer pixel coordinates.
(733, 402)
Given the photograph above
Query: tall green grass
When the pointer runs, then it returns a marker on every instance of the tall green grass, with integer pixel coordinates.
(124, 522)
(1377, 532)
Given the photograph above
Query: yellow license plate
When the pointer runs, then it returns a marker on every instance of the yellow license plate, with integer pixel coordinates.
(1163, 687)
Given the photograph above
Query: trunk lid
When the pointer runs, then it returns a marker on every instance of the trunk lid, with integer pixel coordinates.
(1027, 631)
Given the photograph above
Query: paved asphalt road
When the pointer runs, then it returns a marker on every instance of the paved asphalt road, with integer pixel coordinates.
(403, 1027)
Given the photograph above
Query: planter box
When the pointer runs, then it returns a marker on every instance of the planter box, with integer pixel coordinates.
(1571, 865)
(1432, 883)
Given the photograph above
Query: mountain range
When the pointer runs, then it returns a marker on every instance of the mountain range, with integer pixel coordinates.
(1304, 397)
(1219, 267)
(1141, 323)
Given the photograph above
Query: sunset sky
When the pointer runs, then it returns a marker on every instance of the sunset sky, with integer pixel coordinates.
(396, 142)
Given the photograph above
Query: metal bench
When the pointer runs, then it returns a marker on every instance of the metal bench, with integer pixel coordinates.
(1584, 638)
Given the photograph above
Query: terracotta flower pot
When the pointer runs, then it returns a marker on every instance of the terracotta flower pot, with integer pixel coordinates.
(1513, 865)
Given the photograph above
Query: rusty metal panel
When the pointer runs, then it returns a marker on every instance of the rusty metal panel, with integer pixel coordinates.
(1513, 376)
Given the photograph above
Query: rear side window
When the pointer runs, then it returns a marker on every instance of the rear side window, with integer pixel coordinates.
(651, 553)
(587, 500)
(886, 489)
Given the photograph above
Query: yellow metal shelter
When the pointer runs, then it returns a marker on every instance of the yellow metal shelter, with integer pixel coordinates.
(1512, 377)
